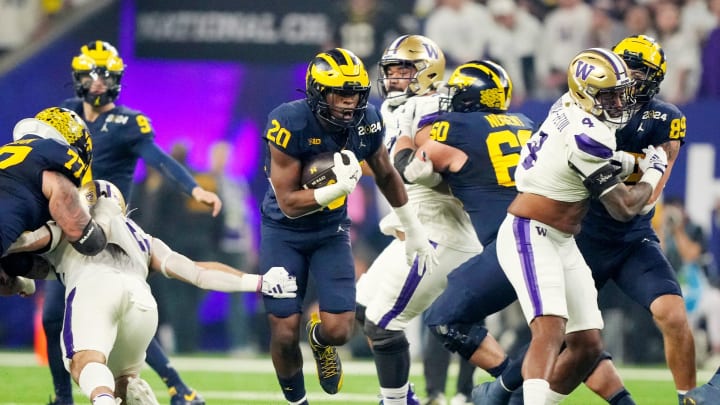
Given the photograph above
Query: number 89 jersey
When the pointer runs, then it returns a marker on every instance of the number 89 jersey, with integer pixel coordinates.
(23, 205)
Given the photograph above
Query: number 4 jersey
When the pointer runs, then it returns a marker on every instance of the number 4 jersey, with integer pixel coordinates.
(569, 146)
(23, 205)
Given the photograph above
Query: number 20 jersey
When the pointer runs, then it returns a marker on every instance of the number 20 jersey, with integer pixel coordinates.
(293, 128)
(23, 205)
(486, 183)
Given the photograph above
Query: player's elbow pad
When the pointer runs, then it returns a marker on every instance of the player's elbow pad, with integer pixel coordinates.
(92, 241)
(601, 180)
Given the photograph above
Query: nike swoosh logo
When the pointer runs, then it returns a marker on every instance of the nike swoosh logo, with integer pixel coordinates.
(190, 397)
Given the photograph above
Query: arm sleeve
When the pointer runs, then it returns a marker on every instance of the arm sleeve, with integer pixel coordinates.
(169, 167)
(175, 265)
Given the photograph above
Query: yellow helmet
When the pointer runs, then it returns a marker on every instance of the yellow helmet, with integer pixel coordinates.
(71, 127)
(599, 82)
(97, 59)
(340, 71)
(646, 58)
(91, 191)
(418, 52)
(480, 86)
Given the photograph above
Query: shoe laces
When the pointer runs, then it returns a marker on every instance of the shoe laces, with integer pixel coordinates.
(328, 362)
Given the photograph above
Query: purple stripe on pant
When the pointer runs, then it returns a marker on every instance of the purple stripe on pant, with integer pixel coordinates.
(521, 230)
(67, 329)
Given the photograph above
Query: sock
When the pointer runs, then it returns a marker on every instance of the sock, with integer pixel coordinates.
(535, 391)
(621, 397)
(394, 396)
(496, 371)
(93, 376)
(156, 358)
(681, 396)
(293, 388)
(512, 375)
(554, 398)
(393, 367)
(104, 399)
(499, 390)
(317, 340)
(301, 401)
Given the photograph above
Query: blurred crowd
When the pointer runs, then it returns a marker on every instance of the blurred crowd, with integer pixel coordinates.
(535, 39)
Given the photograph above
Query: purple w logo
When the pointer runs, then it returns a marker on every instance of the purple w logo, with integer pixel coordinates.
(583, 70)
(431, 51)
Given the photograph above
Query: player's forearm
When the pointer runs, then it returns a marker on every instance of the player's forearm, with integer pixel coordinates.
(64, 205)
(32, 241)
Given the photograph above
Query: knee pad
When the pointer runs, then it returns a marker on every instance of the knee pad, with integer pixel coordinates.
(360, 313)
(386, 341)
(458, 341)
(95, 375)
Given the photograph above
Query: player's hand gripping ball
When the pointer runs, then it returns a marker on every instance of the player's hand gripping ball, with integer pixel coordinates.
(318, 171)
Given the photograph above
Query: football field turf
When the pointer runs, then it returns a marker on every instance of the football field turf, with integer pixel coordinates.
(225, 380)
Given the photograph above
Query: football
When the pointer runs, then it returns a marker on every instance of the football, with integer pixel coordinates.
(318, 171)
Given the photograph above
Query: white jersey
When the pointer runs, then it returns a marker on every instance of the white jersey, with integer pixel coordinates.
(569, 146)
(393, 292)
(444, 218)
(108, 303)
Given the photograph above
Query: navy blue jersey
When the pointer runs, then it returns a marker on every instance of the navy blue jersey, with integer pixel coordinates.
(120, 137)
(486, 183)
(656, 123)
(23, 205)
(293, 128)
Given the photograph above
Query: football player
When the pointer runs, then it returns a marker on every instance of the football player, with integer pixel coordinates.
(391, 293)
(536, 246)
(306, 231)
(629, 253)
(39, 173)
(110, 315)
(120, 136)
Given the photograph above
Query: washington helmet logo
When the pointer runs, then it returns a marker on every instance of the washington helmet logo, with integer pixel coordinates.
(583, 70)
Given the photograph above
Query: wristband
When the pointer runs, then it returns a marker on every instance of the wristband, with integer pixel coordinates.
(251, 282)
(92, 241)
(652, 177)
(324, 196)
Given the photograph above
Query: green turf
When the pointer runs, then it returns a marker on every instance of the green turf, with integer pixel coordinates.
(30, 384)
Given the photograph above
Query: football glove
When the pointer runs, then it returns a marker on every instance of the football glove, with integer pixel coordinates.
(624, 164)
(420, 171)
(278, 283)
(347, 174)
(416, 241)
(655, 158)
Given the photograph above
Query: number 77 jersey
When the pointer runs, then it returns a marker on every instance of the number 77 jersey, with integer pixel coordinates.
(486, 183)
(23, 205)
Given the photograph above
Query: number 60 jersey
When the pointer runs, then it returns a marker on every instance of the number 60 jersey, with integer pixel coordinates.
(23, 205)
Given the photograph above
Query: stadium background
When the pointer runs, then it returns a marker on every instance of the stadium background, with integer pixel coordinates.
(205, 86)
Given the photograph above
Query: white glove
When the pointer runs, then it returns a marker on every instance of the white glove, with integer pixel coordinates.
(278, 283)
(624, 162)
(655, 158)
(347, 173)
(25, 286)
(420, 171)
(416, 241)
